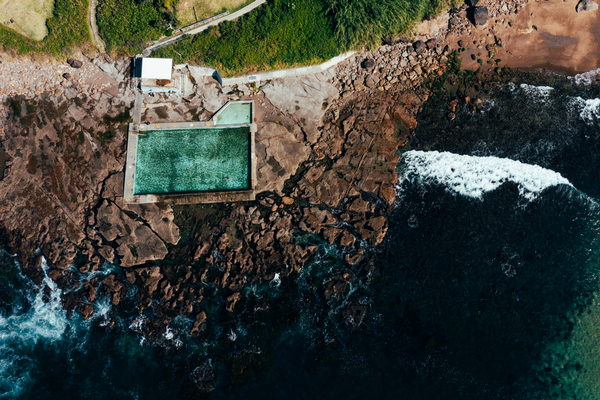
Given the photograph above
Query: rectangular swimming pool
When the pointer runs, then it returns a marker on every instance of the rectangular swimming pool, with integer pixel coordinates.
(192, 160)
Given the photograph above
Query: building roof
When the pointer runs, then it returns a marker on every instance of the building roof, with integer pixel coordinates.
(157, 68)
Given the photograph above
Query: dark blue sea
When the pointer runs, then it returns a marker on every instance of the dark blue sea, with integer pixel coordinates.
(486, 286)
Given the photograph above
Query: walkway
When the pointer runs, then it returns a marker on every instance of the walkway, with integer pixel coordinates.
(264, 76)
(229, 17)
(95, 37)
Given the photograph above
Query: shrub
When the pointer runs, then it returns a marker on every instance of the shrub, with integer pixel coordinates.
(125, 25)
(362, 23)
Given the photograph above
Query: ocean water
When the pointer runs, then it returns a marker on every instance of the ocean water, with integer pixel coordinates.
(486, 287)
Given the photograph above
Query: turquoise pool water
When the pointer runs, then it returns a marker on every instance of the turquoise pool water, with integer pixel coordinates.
(192, 160)
(235, 113)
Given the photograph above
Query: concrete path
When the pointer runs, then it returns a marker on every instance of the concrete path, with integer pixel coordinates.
(230, 17)
(137, 109)
(95, 37)
(264, 76)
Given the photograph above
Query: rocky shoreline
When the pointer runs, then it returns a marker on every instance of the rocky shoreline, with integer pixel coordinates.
(327, 149)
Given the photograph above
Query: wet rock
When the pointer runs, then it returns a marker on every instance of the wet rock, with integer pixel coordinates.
(330, 234)
(347, 239)
(356, 258)
(199, 323)
(338, 284)
(355, 313)
(232, 301)
(204, 377)
(586, 5)
(419, 47)
(87, 311)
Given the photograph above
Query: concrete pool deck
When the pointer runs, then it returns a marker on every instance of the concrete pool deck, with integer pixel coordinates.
(193, 197)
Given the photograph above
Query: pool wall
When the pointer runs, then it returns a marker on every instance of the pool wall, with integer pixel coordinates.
(184, 198)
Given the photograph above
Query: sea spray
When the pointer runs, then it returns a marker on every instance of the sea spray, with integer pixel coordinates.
(589, 109)
(473, 176)
(43, 320)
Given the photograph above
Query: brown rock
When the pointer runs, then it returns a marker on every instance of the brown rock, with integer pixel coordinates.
(198, 323)
(377, 223)
(87, 311)
(387, 194)
(288, 201)
(347, 239)
(356, 258)
(331, 234)
(232, 300)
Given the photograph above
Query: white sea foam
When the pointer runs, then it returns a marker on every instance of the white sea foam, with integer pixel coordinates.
(473, 176)
(43, 320)
(589, 109)
(586, 77)
(536, 91)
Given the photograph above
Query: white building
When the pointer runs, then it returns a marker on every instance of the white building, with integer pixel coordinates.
(157, 75)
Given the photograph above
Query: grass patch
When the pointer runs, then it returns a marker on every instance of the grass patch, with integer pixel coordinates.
(362, 23)
(278, 34)
(28, 16)
(287, 33)
(206, 9)
(125, 25)
(67, 28)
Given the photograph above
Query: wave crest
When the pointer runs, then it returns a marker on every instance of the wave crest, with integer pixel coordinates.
(473, 176)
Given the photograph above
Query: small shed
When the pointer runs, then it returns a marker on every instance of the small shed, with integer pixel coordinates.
(157, 68)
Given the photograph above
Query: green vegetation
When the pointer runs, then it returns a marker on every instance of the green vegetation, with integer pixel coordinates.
(360, 23)
(15, 105)
(125, 25)
(279, 34)
(286, 33)
(67, 28)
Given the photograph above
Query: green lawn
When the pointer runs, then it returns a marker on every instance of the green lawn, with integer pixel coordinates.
(67, 28)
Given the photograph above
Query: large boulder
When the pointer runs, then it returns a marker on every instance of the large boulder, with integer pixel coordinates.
(368, 63)
(480, 16)
(586, 5)
(74, 63)
(431, 44)
(419, 47)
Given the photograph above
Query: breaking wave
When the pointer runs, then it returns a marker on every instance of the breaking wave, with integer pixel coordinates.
(586, 77)
(473, 176)
(44, 319)
(589, 109)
